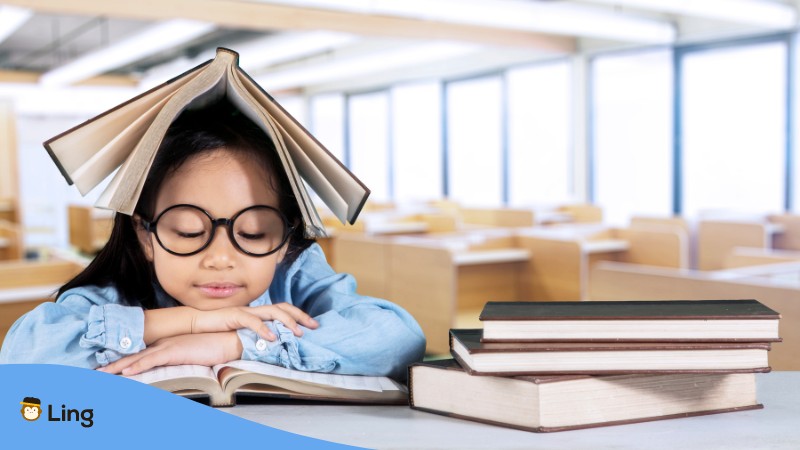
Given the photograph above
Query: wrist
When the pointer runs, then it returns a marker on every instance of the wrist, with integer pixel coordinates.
(235, 348)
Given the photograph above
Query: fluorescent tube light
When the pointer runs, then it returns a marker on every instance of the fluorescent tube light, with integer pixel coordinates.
(72, 101)
(391, 59)
(753, 12)
(148, 42)
(562, 19)
(11, 18)
(258, 53)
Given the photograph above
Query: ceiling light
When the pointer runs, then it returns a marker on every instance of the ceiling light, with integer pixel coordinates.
(257, 53)
(334, 70)
(11, 18)
(152, 40)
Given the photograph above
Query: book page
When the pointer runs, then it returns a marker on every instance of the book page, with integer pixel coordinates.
(77, 145)
(349, 382)
(123, 191)
(249, 107)
(113, 154)
(319, 183)
(312, 154)
(164, 373)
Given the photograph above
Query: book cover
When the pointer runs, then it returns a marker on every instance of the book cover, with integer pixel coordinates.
(667, 320)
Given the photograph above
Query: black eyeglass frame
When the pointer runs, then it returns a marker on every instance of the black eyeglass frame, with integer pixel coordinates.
(151, 226)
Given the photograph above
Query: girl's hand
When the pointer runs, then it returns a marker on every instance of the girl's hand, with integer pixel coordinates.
(236, 317)
(205, 349)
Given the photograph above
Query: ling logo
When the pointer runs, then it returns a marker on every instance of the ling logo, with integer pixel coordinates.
(31, 408)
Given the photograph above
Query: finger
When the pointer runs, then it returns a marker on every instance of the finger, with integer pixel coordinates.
(299, 315)
(256, 324)
(117, 366)
(273, 312)
(147, 362)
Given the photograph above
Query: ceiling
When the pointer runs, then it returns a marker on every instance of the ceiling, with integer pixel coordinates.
(317, 45)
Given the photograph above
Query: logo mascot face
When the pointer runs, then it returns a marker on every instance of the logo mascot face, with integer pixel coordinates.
(31, 408)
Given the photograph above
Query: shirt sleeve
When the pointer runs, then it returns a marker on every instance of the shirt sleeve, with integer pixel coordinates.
(82, 328)
(356, 334)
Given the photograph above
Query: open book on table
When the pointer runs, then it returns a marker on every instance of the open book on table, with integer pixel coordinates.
(127, 137)
(221, 384)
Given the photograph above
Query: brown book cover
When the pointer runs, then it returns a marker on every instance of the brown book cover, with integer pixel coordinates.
(631, 321)
(598, 358)
(568, 402)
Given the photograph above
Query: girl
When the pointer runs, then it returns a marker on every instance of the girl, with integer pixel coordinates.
(213, 266)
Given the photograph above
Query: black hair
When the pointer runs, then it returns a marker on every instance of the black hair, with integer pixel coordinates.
(122, 262)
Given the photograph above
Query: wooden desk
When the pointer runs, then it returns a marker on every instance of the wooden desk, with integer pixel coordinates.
(445, 288)
(716, 239)
(26, 284)
(773, 427)
(89, 228)
(605, 246)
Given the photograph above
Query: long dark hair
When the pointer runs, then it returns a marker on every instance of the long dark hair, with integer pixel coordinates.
(121, 262)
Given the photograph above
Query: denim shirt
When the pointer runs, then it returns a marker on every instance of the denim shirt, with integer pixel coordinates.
(89, 327)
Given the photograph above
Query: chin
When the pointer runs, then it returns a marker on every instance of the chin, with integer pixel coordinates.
(210, 304)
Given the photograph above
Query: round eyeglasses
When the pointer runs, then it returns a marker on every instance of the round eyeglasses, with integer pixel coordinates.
(186, 230)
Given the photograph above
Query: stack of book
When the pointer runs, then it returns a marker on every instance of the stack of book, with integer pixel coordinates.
(551, 366)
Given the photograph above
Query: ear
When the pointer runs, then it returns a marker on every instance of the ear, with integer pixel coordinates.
(143, 236)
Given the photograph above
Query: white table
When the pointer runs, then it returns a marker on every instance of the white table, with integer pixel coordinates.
(777, 426)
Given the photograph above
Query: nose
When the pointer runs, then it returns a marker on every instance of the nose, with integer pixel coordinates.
(220, 253)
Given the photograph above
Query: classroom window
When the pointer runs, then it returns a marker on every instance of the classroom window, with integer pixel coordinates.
(734, 122)
(326, 121)
(539, 134)
(368, 136)
(794, 178)
(417, 141)
(632, 134)
(475, 141)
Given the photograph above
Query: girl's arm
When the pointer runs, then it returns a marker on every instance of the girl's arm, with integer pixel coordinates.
(356, 334)
(85, 327)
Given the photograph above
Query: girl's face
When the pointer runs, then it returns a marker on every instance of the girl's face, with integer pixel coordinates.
(223, 183)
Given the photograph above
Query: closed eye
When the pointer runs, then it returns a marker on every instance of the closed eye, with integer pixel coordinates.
(189, 235)
(252, 236)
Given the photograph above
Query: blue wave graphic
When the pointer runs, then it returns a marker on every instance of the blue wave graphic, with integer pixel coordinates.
(90, 408)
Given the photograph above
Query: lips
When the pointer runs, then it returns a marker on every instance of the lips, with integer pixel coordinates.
(219, 290)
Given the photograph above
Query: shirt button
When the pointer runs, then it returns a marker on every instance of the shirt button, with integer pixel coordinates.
(261, 345)
(125, 343)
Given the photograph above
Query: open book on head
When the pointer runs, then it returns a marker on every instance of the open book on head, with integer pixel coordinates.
(128, 136)
(221, 384)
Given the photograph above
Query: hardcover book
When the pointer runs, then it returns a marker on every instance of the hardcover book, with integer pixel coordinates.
(126, 138)
(667, 320)
(557, 403)
(222, 383)
(596, 358)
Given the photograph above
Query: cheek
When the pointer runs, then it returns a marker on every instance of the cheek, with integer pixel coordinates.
(171, 271)
(261, 276)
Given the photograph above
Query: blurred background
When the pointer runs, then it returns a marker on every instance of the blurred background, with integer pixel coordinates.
(515, 149)
(637, 106)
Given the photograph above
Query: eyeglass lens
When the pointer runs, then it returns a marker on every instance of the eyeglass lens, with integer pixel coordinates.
(186, 229)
